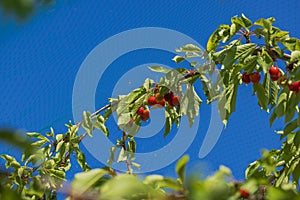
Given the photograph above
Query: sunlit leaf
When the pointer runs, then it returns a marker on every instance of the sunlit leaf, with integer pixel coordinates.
(180, 167)
(87, 123)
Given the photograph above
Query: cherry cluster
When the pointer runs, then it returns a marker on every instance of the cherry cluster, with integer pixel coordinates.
(274, 72)
(160, 101)
(254, 77)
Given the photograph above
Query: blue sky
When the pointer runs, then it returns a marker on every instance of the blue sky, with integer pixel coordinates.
(41, 57)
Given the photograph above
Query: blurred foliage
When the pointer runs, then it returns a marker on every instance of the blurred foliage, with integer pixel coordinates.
(22, 9)
(15, 138)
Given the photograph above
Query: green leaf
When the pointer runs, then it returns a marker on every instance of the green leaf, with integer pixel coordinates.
(274, 93)
(10, 161)
(221, 108)
(123, 106)
(59, 145)
(58, 174)
(290, 127)
(148, 83)
(189, 48)
(34, 159)
(131, 147)
(234, 28)
(266, 85)
(193, 63)
(161, 69)
(282, 179)
(85, 180)
(37, 135)
(59, 137)
(281, 104)
(178, 59)
(296, 173)
(87, 123)
(293, 101)
(281, 34)
(190, 104)
(115, 189)
(168, 126)
(230, 57)
(99, 124)
(38, 143)
(244, 50)
(250, 63)
(158, 182)
(263, 100)
(295, 56)
(132, 127)
(213, 42)
(267, 23)
(246, 21)
(123, 120)
(238, 21)
(136, 165)
(265, 61)
(259, 89)
(291, 44)
(180, 167)
(80, 157)
(72, 130)
(230, 97)
(51, 133)
(49, 164)
(112, 152)
(227, 101)
(252, 170)
(123, 155)
(261, 32)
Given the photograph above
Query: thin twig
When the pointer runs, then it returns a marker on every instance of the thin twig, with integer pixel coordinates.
(78, 124)
(101, 109)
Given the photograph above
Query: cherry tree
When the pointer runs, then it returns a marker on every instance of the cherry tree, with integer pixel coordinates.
(257, 54)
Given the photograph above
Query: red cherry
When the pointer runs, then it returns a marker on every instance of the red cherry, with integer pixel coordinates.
(152, 101)
(245, 78)
(244, 193)
(176, 100)
(273, 70)
(295, 87)
(140, 110)
(162, 103)
(275, 78)
(171, 103)
(254, 77)
(274, 73)
(168, 96)
(145, 116)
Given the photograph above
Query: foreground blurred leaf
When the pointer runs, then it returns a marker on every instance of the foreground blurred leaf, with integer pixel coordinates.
(15, 138)
(128, 187)
(84, 181)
